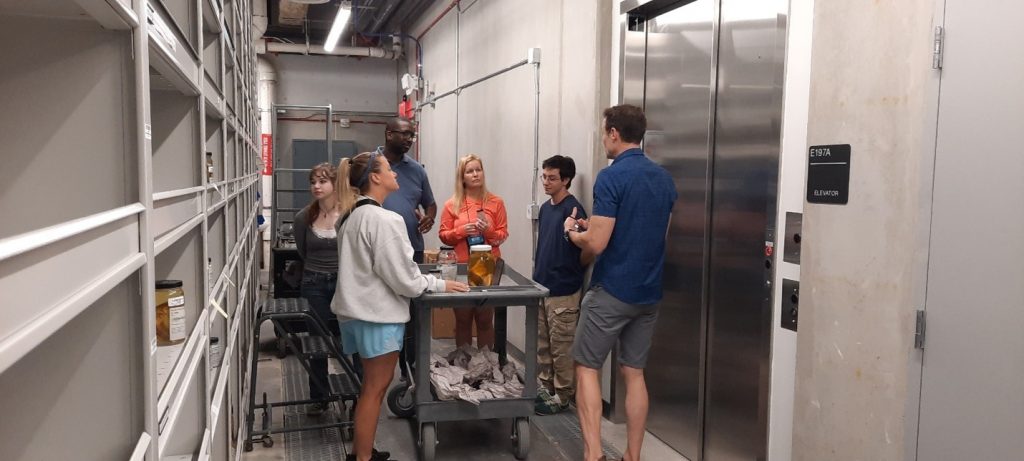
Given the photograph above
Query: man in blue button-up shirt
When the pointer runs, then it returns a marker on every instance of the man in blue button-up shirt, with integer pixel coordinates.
(633, 199)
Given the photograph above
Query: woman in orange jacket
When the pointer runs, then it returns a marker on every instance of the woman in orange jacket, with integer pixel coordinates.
(473, 216)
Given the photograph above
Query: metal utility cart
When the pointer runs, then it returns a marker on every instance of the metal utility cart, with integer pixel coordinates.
(513, 289)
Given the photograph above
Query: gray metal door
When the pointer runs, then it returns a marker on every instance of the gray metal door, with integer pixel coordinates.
(709, 75)
(972, 389)
(306, 154)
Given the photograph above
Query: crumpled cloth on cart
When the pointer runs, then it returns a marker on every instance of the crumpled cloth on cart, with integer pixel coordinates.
(473, 375)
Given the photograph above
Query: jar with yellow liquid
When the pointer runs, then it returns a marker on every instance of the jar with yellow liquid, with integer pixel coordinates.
(170, 312)
(481, 265)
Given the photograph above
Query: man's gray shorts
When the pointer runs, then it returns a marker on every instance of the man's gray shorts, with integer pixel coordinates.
(603, 320)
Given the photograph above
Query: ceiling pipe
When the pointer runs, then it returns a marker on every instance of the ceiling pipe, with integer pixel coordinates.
(438, 18)
(403, 14)
(389, 10)
(259, 20)
(264, 47)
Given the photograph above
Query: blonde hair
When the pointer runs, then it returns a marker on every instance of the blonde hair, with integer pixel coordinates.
(323, 170)
(460, 186)
(351, 183)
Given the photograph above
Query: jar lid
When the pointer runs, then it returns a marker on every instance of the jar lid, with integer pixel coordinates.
(447, 247)
(165, 284)
(480, 248)
(214, 340)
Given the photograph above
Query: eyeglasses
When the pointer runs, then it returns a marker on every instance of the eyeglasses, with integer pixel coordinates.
(408, 134)
(547, 178)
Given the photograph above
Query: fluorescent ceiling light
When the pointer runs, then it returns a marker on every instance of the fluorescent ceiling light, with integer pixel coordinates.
(344, 11)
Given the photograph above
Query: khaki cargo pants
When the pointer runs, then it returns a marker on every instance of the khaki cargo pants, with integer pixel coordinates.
(556, 328)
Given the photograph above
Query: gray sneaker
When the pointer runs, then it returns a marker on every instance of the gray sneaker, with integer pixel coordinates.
(550, 406)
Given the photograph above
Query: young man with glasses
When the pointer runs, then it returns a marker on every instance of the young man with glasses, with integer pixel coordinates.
(557, 266)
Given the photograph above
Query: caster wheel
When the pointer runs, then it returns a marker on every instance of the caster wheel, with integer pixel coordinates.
(401, 402)
(521, 437)
(428, 442)
(247, 446)
(267, 441)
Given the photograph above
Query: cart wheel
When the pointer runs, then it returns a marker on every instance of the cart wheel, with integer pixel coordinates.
(428, 441)
(401, 401)
(521, 437)
(247, 445)
(267, 441)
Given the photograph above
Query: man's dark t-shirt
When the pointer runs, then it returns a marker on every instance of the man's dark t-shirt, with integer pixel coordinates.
(557, 263)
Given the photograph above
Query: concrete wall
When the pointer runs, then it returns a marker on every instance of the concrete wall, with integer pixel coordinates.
(348, 84)
(352, 84)
(857, 373)
(495, 119)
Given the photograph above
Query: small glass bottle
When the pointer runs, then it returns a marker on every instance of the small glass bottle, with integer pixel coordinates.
(170, 312)
(446, 261)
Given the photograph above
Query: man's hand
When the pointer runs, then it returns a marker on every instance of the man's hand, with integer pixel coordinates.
(425, 222)
(571, 223)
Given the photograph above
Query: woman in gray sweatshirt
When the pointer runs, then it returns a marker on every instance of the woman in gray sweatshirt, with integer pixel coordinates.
(380, 277)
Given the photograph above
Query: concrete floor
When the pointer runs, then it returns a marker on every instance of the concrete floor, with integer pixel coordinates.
(465, 440)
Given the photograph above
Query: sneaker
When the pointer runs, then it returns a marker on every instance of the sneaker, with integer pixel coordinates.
(376, 456)
(316, 409)
(543, 395)
(550, 406)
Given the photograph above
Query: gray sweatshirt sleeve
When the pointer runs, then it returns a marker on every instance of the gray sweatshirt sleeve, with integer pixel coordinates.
(393, 263)
(299, 230)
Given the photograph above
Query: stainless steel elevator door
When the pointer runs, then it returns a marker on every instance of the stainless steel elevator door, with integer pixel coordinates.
(745, 189)
(678, 103)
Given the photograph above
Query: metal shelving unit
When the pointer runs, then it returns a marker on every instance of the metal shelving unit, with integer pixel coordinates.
(110, 193)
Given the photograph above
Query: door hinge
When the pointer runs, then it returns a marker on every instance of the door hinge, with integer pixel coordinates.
(919, 331)
(937, 48)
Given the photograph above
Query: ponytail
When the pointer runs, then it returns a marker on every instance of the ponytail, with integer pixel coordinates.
(353, 173)
(346, 193)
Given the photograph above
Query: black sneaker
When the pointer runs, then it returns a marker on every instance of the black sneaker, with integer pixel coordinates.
(317, 409)
(376, 456)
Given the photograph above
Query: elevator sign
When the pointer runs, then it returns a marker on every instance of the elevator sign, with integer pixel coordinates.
(828, 174)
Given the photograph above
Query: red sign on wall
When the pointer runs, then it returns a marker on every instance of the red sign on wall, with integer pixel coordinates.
(267, 153)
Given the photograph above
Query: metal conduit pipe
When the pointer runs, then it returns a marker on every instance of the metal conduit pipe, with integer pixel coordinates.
(265, 47)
